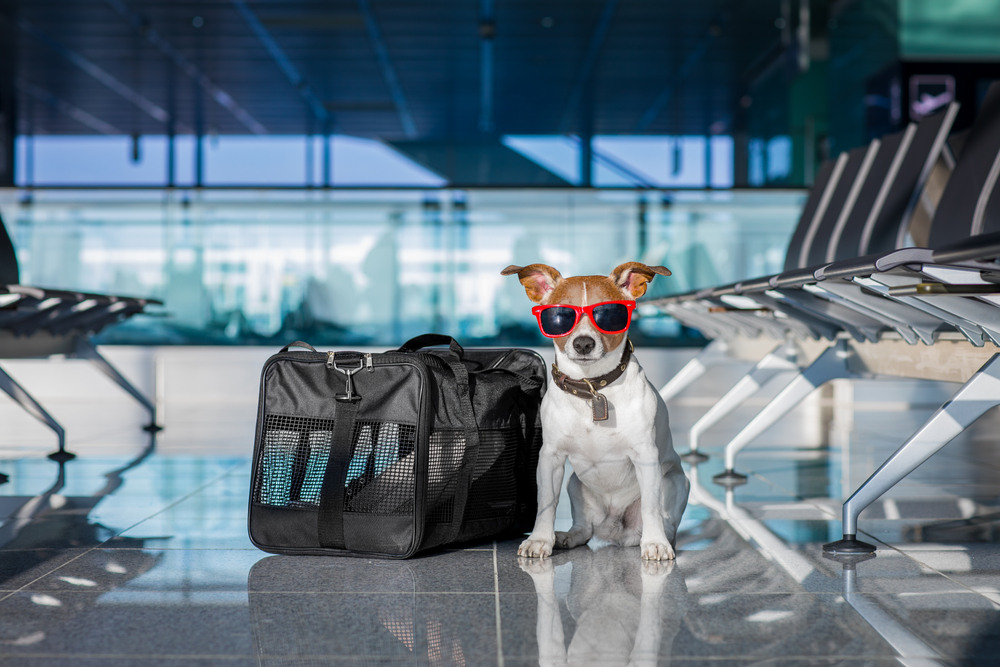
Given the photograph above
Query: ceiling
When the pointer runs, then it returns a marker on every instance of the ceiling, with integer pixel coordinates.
(393, 69)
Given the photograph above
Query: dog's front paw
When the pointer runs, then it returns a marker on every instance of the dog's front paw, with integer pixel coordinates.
(657, 551)
(535, 548)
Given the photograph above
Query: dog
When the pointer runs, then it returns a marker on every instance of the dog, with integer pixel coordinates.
(627, 485)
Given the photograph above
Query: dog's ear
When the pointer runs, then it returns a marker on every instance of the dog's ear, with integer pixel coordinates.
(538, 279)
(631, 277)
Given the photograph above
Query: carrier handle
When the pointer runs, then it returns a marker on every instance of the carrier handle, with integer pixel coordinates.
(430, 340)
(299, 343)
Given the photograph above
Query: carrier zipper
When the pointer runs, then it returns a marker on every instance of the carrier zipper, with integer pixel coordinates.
(369, 364)
(329, 360)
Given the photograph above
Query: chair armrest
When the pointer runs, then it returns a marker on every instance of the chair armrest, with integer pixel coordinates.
(756, 285)
(986, 246)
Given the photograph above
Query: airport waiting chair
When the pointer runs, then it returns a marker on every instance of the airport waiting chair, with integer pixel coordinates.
(955, 285)
(38, 323)
(861, 201)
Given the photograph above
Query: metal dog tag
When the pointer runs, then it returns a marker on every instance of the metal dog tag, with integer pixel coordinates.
(599, 405)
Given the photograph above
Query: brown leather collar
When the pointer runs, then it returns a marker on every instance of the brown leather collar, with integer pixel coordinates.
(588, 387)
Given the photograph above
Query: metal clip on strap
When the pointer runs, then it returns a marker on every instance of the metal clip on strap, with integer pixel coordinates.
(333, 362)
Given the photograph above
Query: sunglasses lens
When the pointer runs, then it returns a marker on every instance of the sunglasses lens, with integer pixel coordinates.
(611, 317)
(557, 321)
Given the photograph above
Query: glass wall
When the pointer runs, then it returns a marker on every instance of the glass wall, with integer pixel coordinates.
(375, 267)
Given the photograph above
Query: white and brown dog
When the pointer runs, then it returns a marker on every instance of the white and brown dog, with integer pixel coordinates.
(627, 485)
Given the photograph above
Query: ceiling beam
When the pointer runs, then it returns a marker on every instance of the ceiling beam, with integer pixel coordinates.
(88, 119)
(298, 81)
(587, 65)
(388, 71)
(153, 110)
(224, 99)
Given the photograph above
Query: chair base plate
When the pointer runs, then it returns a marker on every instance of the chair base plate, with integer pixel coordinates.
(850, 545)
(694, 457)
(729, 479)
(62, 456)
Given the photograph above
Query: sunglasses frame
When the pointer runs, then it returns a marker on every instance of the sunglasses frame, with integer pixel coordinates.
(580, 310)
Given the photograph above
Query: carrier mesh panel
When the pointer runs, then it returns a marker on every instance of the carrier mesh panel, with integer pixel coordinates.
(493, 492)
(445, 456)
(380, 474)
(296, 450)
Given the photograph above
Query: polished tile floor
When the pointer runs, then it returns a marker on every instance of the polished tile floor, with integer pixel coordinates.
(137, 553)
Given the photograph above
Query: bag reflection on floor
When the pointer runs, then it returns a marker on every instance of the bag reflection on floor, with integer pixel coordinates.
(314, 610)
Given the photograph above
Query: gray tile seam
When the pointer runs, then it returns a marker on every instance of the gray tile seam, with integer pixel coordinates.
(806, 658)
(121, 532)
(496, 599)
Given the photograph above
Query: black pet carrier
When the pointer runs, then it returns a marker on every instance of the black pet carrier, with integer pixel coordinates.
(390, 454)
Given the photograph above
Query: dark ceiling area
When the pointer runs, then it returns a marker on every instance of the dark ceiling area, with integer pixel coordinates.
(391, 69)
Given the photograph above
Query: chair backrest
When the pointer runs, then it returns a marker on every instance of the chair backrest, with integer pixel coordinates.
(815, 247)
(9, 274)
(846, 241)
(961, 211)
(819, 189)
(956, 142)
(889, 218)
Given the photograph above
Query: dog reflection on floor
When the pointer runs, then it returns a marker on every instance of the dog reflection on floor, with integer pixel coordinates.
(627, 611)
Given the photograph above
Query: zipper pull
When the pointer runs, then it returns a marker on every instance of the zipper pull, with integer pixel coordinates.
(329, 360)
(369, 364)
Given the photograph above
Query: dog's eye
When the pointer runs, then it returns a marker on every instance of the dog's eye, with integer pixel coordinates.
(612, 317)
(558, 321)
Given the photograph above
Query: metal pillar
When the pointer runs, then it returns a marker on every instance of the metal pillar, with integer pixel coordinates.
(8, 101)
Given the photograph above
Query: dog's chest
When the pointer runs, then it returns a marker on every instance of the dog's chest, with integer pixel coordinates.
(569, 420)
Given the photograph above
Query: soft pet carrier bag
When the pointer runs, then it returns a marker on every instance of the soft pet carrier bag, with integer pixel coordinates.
(390, 454)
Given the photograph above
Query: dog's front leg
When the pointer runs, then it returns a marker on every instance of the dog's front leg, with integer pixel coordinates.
(539, 544)
(653, 543)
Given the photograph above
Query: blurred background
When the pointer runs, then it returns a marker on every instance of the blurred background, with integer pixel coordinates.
(354, 172)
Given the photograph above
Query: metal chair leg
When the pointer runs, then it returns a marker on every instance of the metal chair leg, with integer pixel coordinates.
(711, 355)
(86, 350)
(830, 365)
(979, 394)
(10, 386)
(782, 359)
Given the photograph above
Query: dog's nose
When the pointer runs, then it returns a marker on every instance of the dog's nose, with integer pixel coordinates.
(583, 345)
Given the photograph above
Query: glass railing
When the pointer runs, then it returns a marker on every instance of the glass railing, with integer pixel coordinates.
(355, 267)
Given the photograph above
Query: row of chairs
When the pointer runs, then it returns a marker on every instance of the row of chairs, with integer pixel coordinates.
(873, 286)
(36, 323)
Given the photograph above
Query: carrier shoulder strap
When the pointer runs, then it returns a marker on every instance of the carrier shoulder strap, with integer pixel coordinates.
(330, 519)
(471, 452)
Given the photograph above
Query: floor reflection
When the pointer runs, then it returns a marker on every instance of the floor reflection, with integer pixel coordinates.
(318, 610)
(620, 609)
(51, 520)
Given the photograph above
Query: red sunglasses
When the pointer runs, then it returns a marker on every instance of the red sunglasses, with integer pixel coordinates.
(558, 319)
